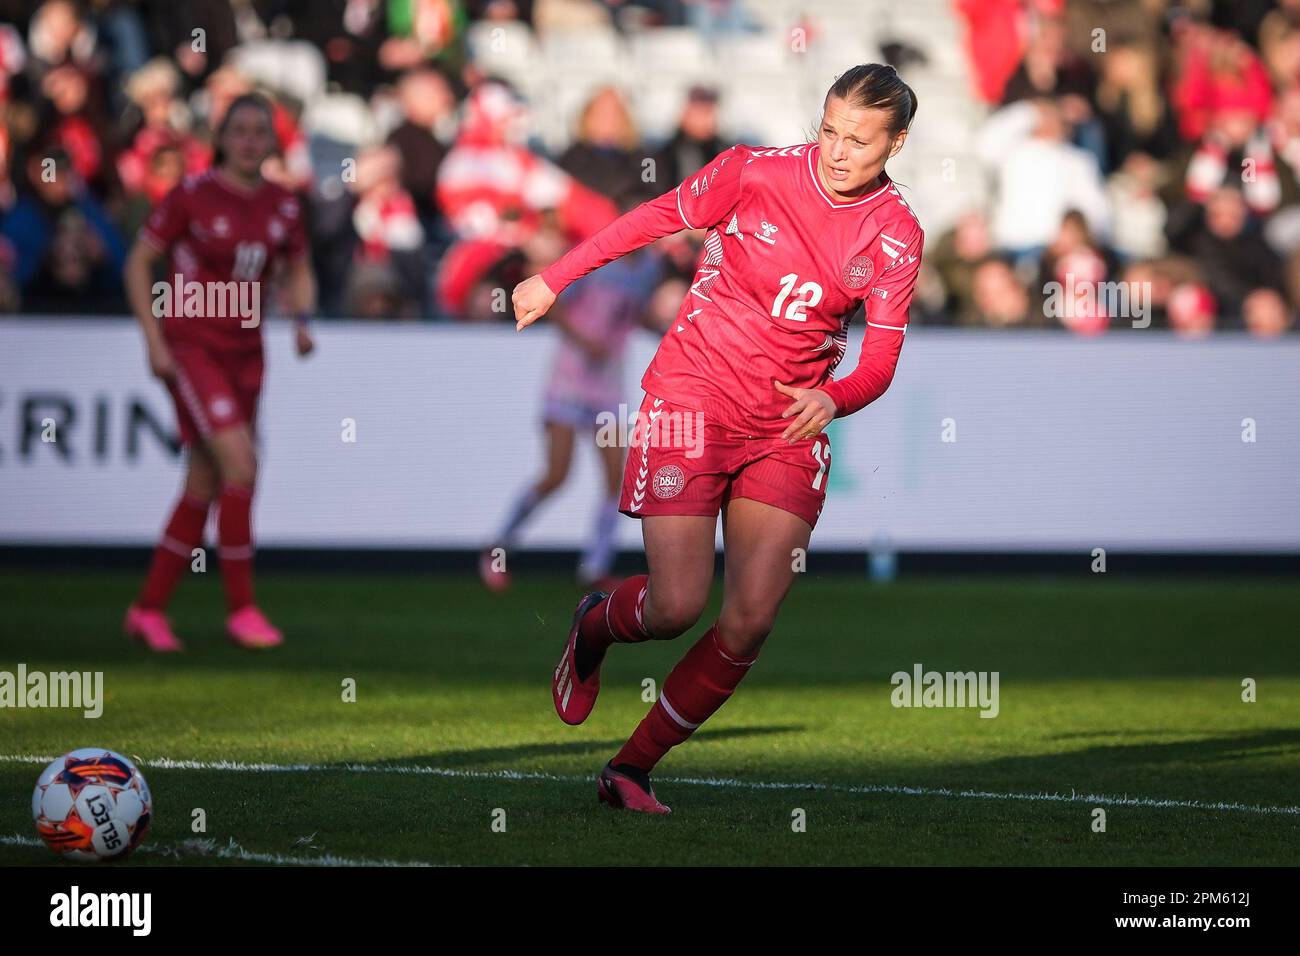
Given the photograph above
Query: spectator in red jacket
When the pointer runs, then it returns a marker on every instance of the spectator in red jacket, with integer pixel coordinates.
(505, 203)
(1217, 71)
(994, 41)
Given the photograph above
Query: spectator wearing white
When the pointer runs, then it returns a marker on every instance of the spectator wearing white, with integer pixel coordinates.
(1138, 229)
(1039, 176)
(57, 36)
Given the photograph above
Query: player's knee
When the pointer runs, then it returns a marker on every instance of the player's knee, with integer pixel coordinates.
(743, 632)
(240, 469)
(202, 485)
(671, 618)
(551, 482)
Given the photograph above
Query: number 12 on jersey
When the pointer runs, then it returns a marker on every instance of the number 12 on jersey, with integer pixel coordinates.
(810, 293)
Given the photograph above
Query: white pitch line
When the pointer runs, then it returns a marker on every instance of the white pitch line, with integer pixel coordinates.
(236, 766)
(231, 852)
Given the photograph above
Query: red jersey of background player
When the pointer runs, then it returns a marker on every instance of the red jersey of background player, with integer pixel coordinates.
(783, 269)
(217, 232)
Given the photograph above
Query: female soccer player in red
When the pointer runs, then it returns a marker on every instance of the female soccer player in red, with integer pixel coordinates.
(797, 238)
(225, 232)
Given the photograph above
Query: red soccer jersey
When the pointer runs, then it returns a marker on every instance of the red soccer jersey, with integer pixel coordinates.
(783, 269)
(224, 241)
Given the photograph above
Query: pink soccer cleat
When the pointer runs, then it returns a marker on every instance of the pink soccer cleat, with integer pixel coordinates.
(151, 628)
(248, 627)
(498, 582)
(628, 789)
(574, 698)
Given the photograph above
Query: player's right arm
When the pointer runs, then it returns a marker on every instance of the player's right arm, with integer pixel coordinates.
(163, 227)
(698, 202)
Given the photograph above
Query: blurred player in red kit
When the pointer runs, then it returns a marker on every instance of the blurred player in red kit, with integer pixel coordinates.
(798, 238)
(225, 233)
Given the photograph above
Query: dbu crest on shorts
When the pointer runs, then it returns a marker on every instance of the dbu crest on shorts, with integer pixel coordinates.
(680, 464)
(668, 482)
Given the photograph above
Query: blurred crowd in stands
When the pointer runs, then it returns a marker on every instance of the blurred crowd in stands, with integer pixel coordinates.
(1154, 143)
(1148, 142)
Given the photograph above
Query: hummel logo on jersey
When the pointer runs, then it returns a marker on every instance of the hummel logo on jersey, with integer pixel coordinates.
(765, 235)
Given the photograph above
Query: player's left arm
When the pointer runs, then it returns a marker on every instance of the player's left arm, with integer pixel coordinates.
(812, 409)
(299, 284)
(300, 299)
(886, 309)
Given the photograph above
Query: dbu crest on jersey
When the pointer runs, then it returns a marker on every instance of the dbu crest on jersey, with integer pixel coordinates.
(668, 482)
(858, 272)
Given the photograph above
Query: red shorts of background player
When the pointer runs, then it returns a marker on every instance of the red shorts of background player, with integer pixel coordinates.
(679, 464)
(214, 389)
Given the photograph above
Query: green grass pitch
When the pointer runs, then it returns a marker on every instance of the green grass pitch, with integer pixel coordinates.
(1114, 694)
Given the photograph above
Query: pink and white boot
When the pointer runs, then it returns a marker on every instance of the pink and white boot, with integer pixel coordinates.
(151, 627)
(248, 627)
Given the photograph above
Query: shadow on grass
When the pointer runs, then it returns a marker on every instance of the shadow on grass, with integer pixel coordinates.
(1246, 745)
(488, 759)
(1209, 768)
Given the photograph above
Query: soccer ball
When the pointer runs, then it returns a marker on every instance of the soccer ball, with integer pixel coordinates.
(92, 804)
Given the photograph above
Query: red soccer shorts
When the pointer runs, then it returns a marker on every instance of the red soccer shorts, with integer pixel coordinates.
(214, 389)
(679, 464)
